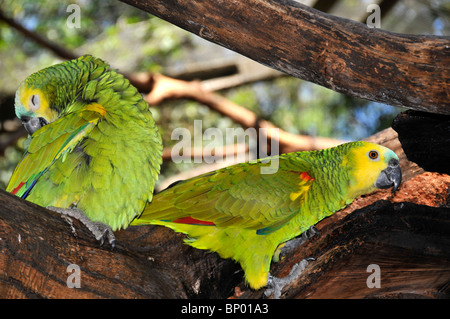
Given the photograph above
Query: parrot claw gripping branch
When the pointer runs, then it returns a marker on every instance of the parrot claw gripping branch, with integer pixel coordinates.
(94, 153)
(99, 230)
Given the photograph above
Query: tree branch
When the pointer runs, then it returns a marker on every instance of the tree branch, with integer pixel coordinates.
(37, 246)
(164, 87)
(346, 56)
(56, 49)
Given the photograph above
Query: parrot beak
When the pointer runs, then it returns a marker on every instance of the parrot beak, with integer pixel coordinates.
(391, 176)
(32, 124)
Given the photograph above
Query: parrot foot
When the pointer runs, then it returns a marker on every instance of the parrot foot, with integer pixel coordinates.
(304, 237)
(275, 284)
(292, 244)
(99, 230)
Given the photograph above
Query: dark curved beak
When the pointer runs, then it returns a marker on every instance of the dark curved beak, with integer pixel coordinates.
(391, 176)
(32, 124)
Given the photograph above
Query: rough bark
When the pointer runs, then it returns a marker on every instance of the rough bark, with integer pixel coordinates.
(343, 55)
(37, 246)
(425, 139)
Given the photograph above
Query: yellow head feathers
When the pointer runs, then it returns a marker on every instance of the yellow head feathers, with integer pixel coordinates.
(33, 102)
(371, 166)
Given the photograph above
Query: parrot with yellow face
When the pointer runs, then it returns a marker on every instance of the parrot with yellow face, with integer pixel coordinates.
(93, 145)
(244, 214)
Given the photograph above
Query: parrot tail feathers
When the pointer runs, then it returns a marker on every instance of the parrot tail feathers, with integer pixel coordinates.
(254, 252)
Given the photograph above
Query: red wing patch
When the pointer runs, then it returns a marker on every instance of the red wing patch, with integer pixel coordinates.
(192, 221)
(15, 190)
(306, 177)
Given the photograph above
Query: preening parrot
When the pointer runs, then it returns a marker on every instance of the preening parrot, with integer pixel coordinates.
(245, 215)
(93, 143)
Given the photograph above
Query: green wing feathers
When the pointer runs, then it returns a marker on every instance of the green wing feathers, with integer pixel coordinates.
(49, 143)
(100, 151)
(236, 212)
(238, 196)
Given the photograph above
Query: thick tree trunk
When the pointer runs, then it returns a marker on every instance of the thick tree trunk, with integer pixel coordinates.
(37, 246)
(343, 55)
(425, 138)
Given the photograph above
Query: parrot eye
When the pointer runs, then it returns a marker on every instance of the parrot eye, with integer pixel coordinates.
(34, 102)
(373, 155)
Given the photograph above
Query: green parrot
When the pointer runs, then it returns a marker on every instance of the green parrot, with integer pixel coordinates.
(245, 215)
(93, 145)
